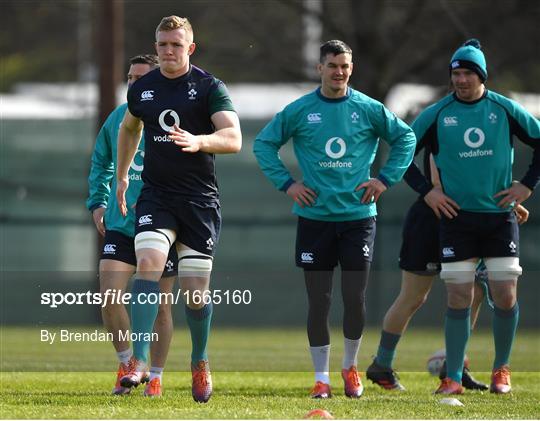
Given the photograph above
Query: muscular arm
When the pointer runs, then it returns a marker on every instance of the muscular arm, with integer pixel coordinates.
(226, 139)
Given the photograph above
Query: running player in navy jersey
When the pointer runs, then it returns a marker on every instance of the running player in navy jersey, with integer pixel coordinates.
(187, 117)
(470, 134)
(118, 261)
(335, 131)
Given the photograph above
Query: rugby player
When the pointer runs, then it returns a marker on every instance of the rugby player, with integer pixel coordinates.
(470, 134)
(188, 117)
(335, 131)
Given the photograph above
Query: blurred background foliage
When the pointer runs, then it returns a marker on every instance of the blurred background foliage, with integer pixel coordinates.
(262, 40)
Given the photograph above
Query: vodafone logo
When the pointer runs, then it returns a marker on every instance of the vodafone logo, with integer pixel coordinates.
(478, 134)
(342, 147)
(335, 148)
(164, 125)
(474, 138)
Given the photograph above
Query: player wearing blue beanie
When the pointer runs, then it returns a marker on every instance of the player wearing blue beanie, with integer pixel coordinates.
(470, 56)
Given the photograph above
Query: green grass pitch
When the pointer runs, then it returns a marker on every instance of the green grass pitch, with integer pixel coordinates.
(258, 374)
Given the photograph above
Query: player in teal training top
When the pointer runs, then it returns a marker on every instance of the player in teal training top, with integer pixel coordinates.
(470, 134)
(335, 131)
(117, 262)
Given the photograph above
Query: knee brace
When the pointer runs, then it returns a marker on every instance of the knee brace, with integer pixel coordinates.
(503, 268)
(192, 263)
(160, 240)
(458, 272)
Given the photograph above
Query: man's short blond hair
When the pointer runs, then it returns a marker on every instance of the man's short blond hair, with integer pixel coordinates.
(170, 23)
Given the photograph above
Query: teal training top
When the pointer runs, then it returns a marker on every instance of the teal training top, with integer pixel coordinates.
(335, 142)
(102, 180)
(473, 147)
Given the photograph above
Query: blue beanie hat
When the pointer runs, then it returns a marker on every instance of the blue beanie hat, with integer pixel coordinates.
(470, 56)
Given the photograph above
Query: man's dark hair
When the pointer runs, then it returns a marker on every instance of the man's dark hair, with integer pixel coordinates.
(334, 47)
(150, 59)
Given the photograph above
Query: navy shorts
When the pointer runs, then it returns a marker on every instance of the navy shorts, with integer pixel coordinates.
(479, 234)
(420, 241)
(197, 222)
(321, 245)
(120, 247)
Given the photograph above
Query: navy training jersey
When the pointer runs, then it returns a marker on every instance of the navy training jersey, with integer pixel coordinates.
(189, 101)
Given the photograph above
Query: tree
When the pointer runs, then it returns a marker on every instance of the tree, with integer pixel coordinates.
(412, 41)
(262, 41)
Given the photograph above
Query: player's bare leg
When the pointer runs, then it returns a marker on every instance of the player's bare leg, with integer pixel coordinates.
(114, 276)
(478, 298)
(414, 291)
(413, 294)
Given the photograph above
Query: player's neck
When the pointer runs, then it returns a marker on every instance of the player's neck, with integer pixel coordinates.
(333, 94)
(174, 74)
(474, 96)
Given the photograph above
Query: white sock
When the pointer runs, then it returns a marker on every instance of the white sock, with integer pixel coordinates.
(350, 355)
(320, 355)
(124, 356)
(156, 372)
